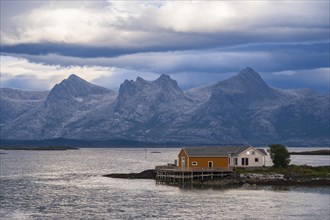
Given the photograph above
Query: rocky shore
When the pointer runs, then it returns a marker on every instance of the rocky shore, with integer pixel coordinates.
(147, 174)
(243, 179)
(248, 179)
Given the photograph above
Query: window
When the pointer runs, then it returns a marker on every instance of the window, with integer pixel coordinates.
(248, 152)
(235, 161)
(194, 163)
(256, 160)
(245, 161)
(253, 153)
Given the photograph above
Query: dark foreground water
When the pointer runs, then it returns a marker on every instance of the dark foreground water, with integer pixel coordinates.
(69, 185)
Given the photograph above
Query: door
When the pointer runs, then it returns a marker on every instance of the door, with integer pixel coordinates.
(210, 164)
(183, 162)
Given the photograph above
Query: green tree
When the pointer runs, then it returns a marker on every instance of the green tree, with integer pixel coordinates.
(279, 155)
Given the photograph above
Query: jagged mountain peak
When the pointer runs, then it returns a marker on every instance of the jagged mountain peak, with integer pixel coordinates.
(246, 87)
(162, 90)
(167, 82)
(74, 86)
(246, 80)
(140, 79)
(163, 82)
(241, 109)
(249, 74)
(74, 77)
(164, 77)
(248, 71)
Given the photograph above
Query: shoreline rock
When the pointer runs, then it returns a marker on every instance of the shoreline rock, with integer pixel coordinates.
(146, 174)
(242, 180)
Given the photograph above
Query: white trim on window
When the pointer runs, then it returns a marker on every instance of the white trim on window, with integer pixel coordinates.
(194, 163)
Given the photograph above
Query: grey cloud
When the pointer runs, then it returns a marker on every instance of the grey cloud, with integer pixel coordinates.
(264, 57)
(305, 22)
(24, 82)
(295, 37)
(315, 79)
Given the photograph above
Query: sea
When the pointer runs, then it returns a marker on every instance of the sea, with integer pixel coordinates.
(69, 185)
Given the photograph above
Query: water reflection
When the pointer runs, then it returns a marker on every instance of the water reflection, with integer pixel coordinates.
(69, 185)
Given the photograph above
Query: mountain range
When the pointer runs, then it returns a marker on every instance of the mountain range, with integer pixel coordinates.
(237, 111)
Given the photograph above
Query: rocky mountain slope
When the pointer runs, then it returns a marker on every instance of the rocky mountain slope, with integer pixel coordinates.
(240, 110)
(15, 103)
(67, 102)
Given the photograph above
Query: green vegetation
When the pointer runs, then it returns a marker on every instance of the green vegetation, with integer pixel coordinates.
(291, 171)
(279, 155)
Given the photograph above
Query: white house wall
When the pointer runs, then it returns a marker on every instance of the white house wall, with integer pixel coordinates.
(252, 163)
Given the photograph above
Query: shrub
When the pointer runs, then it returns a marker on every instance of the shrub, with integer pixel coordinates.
(279, 155)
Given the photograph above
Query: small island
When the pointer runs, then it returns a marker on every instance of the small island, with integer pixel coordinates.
(46, 148)
(315, 152)
(293, 175)
(281, 174)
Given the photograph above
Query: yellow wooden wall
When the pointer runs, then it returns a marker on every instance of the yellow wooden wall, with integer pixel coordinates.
(218, 162)
(202, 162)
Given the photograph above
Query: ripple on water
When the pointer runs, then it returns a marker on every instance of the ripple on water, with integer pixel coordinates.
(69, 185)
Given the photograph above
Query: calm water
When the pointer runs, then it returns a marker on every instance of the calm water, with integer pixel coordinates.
(69, 185)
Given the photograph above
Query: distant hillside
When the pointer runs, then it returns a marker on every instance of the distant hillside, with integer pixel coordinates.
(240, 110)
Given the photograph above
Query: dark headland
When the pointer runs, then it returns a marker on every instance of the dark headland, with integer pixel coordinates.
(314, 152)
(147, 174)
(46, 148)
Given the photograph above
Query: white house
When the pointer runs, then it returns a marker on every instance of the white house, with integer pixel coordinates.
(247, 157)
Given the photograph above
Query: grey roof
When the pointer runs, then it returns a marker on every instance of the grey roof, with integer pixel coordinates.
(262, 151)
(217, 151)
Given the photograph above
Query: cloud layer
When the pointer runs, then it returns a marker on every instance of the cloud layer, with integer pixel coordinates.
(196, 42)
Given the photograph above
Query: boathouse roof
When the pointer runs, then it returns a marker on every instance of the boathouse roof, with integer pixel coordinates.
(223, 151)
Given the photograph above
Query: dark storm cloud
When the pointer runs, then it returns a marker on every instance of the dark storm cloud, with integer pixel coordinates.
(71, 50)
(173, 42)
(265, 57)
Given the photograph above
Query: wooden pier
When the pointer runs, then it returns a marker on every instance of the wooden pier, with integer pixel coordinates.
(176, 175)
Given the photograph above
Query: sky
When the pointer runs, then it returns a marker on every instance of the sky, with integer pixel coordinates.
(197, 43)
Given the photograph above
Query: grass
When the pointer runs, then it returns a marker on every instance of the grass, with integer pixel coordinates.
(291, 171)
